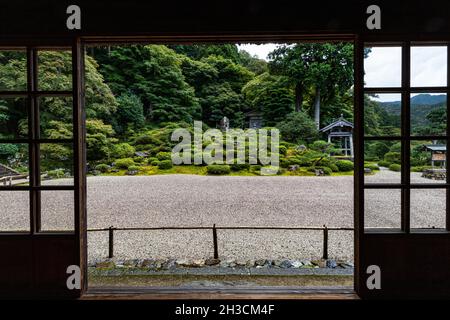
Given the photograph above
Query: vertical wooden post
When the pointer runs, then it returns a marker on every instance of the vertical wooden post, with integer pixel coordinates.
(216, 250)
(325, 243)
(111, 242)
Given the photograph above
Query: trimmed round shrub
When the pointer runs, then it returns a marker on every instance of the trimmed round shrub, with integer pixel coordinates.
(139, 159)
(123, 150)
(124, 163)
(165, 164)
(239, 167)
(395, 167)
(164, 156)
(155, 163)
(133, 168)
(393, 157)
(333, 167)
(147, 139)
(383, 163)
(102, 167)
(218, 169)
(345, 165)
(372, 166)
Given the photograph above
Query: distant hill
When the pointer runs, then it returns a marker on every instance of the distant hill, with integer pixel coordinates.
(421, 105)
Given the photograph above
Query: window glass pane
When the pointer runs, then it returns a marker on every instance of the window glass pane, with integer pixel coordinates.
(57, 210)
(382, 67)
(13, 118)
(429, 66)
(13, 71)
(57, 163)
(14, 211)
(428, 160)
(428, 208)
(14, 164)
(382, 208)
(382, 161)
(56, 117)
(54, 70)
(382, 115)
(428, 114)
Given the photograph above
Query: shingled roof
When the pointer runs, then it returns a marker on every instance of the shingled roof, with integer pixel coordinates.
(341, 122)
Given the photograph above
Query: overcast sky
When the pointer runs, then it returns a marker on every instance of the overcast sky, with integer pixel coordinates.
(260, 50)
(383, 66)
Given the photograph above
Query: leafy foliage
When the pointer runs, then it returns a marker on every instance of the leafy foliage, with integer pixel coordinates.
(154, 74)
(297, 127)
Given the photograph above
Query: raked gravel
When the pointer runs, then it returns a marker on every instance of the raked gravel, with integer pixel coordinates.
(189, 200)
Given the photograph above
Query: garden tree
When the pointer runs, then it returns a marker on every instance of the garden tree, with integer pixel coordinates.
(419, 156)
(154, 74)
(219, 100)
(130, 113)
(297, 128)
(198, 73)
(270, 95)
(437, 122)
(200, 51)
(325, 67)
(218, 83)
(253, 63)
(13, 118)
(55, 73)
(228, 71)
(376, 150)
(377, 121)
(342, 105)
(99, 140)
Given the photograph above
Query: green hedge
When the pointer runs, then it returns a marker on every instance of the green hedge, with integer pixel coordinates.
(393, 157)
(344, 165)
(102, 168)
(239, 167)
(217, 169)
(372, 166)
(395, 167)
(333, 167)
(164, 156)
(383, 163)
(165, 164)
(133, 168)
(124, 163)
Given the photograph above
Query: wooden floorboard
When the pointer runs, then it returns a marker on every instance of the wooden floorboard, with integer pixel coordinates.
(260, 293)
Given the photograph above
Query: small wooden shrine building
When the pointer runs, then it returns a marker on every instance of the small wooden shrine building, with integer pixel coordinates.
(341, 130)
(438, 154)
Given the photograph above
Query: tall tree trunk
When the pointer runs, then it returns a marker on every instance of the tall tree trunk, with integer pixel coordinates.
(317, 108)
(298, 97)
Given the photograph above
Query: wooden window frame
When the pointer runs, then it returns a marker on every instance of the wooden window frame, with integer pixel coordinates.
(405, 185)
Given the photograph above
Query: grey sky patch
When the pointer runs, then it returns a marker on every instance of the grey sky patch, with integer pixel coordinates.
(260, 50)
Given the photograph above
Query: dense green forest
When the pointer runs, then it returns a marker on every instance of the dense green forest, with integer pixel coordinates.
(137, 95)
